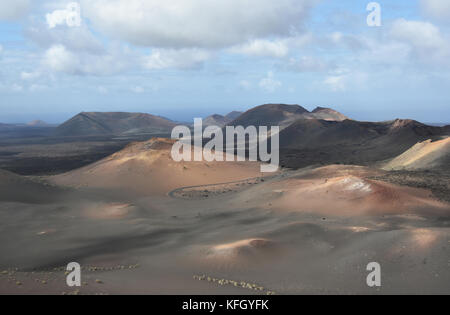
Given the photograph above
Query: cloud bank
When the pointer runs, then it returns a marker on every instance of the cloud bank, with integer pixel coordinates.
(196, 23)
(14, 9)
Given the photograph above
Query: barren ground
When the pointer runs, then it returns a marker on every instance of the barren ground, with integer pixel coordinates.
(258, 238)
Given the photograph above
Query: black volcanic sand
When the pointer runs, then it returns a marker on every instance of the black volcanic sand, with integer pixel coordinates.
(438, 181)
(35, 151)
(168, 245)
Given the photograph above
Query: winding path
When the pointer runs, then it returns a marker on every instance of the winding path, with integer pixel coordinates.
(175, 191)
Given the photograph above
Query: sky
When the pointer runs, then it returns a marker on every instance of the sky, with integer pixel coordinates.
(191, 58)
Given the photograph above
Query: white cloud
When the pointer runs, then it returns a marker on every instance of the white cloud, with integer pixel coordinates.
(245, 85)
(138, 89)
(300, 41)
(16, 88)
(405, 45)
(386, 54)
(263, 48)
(308, 64)
(436, 8)
(336, 37)
(419, 34)
(13, 10)
(269, 83)
(352, 42)
(26, 76)
(102, 90)
(425, 39)
(78, 39)
(342, 79)
(38, 87)
(336, 83)
(175, 59)
(59, 59)
(196, 23)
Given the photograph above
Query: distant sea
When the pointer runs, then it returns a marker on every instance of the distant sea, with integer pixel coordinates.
(438, 124)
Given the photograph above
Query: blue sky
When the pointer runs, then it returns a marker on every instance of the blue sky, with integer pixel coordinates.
(186, 58)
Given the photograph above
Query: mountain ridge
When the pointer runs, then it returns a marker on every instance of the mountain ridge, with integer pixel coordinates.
(220, 120)
(113, 123)
(308, 142)
(283, 115)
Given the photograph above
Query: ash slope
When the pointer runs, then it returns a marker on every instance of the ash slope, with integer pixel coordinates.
(310, 231)
(16, 188)
(148, 168)
(425, 155)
